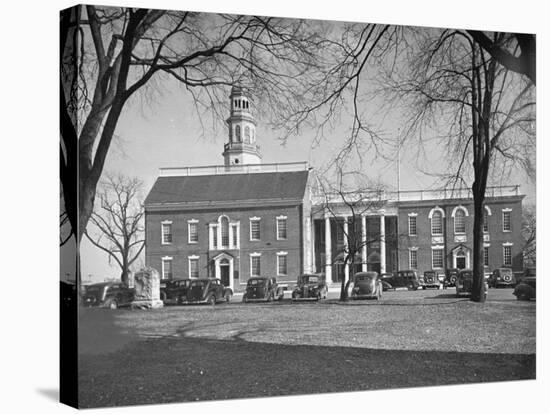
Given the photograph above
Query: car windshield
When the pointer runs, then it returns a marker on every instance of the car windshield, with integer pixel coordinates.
(256, 282)
(429, 274)
(506, 271)
(466, 274)
(310, 279)
(199, 283)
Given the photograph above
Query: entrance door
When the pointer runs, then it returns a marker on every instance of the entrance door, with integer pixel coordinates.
(461, 262)
(224, 274)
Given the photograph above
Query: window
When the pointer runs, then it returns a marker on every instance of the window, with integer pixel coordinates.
(485, 220)
(282, 264)
(437, 258)
(437, 223)
(238, 133)
(340, 231)
(235, 229)
(247, 134)
(255, 265)
(193, 229)
(460, 221)
(167, 272)
(486, 256)
(281, 228)
(255, 228)
(166, 230)
(412, 225)
(506, 223)
(507, 251)
(214, 237)
(413, 259)
(193, 267)
(225, 232)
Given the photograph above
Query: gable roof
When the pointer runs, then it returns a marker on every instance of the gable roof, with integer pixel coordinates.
(228, 188)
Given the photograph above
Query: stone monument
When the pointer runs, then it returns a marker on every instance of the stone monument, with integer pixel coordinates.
(147, 289)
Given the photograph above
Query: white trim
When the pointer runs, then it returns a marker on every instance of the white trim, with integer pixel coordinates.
(285, 218)
(162, 224)
(413, 249)
(433, 210)
(234, 227)
(509, 211)
(189, 222)
(442, 259)
(438, 247)
(250, 220)
(489, 212)
(212, 229)
(162, 260)
(504, 246)
(507, 244)
(279, 255)
(412, 214)
(189, 258)
(460, 207)
(252, 256)
(255, 254)
(415, 224)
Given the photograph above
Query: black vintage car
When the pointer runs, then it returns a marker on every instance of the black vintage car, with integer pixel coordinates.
(465, 281)
(450, 277)
(526, 289)
(402, 279)
(502, 277)
(111, 295)
(206, 290)
(310, 287)
(430, 280)
(262, 289)
(366, 285)
(174, 291)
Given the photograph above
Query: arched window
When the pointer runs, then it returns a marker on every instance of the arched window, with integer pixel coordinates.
(247, 134)
(225, 232)
(238, 133)
(485, 221)
(437, 223)
(460, 221)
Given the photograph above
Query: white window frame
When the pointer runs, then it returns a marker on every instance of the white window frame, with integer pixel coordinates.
(234, 235)
(257, 220)
(413, 215)
(509, 212)
(252, 256)
(213, 232)
(438, 248)
(189, 223)
(167, 259)
(285, 255)
(189, 260)
(220, 229)
(285, 218)
(504, 247)
(411, 250)
(430, 216)
(486, 255)
(453, 215)
(162, 233)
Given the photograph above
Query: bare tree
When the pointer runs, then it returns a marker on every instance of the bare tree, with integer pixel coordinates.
(108, 54)
(346, 201)
(529, 232)
(119, 221)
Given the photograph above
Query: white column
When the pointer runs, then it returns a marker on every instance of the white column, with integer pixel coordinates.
(328, 248)
(364, 238)
(307, 246)
(382, 243)
(346, 249)
(312, 249)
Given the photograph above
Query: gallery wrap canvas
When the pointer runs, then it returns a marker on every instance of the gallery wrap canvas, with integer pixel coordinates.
(258, 206)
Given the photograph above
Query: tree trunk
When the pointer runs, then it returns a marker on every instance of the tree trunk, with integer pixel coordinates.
(478, 289)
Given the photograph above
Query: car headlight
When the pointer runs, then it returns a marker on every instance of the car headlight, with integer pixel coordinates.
(356, 289)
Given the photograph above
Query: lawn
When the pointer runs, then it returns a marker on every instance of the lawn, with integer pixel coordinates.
(236, 350)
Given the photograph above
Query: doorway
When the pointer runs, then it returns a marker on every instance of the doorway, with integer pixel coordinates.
(224, 272)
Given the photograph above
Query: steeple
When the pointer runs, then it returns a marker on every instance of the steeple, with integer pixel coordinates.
(241, 148)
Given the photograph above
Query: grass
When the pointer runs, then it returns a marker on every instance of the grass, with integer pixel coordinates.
(237, 351)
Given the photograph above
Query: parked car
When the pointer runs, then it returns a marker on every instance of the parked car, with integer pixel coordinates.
(527, 272)
(111, 295)
(465, 282)
(366, 285)
(450, 276)
(262, 289)
(502, 277)
(403, 278)
(383, 279)
(430, 280)
(310, 287)
(174, 291)
(526, 289)
(206, 290)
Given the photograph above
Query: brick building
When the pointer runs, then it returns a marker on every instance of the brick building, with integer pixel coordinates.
(246, 218)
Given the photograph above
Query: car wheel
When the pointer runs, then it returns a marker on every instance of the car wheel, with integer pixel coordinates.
(211, 299)
(163, 296)
(270, 297)
(112, 304)
(523, 296)
(228, 296)
(244, 298)
(179, 301)
(410, 286)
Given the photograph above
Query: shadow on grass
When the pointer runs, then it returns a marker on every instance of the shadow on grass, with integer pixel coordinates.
(180, 368)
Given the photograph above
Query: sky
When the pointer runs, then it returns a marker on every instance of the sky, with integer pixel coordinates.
(166, 132)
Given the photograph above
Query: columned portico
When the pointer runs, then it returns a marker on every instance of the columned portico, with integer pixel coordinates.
(382, 242)
(364, 247)
(223, 262)
(328, 250)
